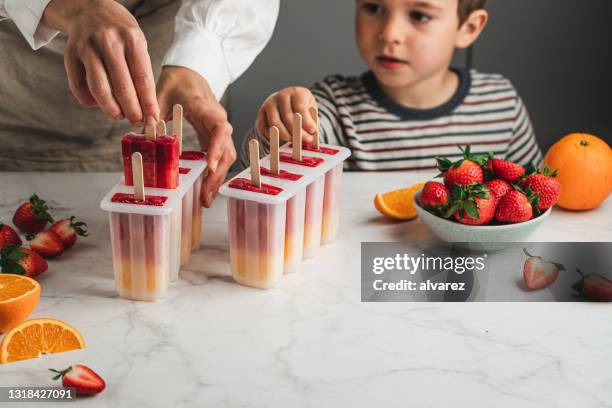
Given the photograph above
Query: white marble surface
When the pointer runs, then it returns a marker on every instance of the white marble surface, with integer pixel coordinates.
(311, 342)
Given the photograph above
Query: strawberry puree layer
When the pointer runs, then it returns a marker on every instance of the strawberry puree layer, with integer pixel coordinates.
(184, 170)
(160, 159)
(192, 155)
(246, 184)
(307, 161)
(125, 198)
(283, 174)
(323, 150)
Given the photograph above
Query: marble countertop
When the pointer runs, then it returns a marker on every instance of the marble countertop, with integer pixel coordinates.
(311, 342)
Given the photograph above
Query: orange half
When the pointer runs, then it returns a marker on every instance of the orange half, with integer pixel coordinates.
(19, 296)
(36, 337)
(398, 204)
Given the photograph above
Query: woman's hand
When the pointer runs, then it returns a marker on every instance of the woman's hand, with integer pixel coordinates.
(279, 108)
(106, 57)
(200, 107)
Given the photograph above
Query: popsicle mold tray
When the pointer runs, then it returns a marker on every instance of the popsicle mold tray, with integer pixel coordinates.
(151, 240)
(273, 228)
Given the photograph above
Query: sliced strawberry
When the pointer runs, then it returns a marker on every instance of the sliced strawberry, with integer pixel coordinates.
(21, 261)
(8, 236)
(594, 286)
(465, 171)
(507, 170)
(83, 379)
(68, 230)
(473, 204)
(539, 273)
(46, 244)
(32, 216)
(434, 196)
(499, 187)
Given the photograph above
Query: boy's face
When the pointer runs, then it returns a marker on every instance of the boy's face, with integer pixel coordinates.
(405, 41)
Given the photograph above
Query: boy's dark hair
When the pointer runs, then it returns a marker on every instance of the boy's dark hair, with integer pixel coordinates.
(466, 7)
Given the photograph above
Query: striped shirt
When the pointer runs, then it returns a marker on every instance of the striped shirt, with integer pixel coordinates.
(485, 112)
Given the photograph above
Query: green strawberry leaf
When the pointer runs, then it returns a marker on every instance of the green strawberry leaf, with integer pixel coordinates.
(471, 210)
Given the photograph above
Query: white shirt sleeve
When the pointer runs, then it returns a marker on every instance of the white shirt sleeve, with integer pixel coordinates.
(26, 14)
(219, 39)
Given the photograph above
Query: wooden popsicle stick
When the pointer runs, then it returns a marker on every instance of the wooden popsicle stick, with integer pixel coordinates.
(137, 176)
(177, 124)
(254, 159)
(150, 132)
(160, 128)
(315, 116)
(274, 141)
(297, 137)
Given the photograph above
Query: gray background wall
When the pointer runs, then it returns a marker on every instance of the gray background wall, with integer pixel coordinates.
(558, 53)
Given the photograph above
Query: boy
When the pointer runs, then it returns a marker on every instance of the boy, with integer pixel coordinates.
(411, 106)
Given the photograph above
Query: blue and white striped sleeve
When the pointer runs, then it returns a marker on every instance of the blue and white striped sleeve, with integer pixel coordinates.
(523, 148)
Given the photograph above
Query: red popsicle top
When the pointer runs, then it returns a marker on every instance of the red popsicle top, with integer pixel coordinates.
(307, 161)
(184, 170)
(284, 175)
(192, 155)
(126, 198)
(324, 150)
(245, 184)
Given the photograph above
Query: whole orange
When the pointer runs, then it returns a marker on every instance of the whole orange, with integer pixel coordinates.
(584, 164)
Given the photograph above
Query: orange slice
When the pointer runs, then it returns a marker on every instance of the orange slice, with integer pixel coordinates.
(19, 296)
(398, 204)
(36, 337)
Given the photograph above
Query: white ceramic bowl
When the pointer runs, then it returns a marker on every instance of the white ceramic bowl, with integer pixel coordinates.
(483, 237)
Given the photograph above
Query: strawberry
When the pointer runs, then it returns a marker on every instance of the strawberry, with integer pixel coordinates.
(8, 236)
(499, 187)
(46, 244)
(32, 216)
(545, 186)
(594, 286)
(434, 196)
(21, 261)
(465, 171)
(68, 230)
(539, 273)
(83, 379)
(473, 204)
(507, 170)
(514, 207)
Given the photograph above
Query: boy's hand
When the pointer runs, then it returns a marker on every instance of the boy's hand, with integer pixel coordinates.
(201, 109)
(279, 108)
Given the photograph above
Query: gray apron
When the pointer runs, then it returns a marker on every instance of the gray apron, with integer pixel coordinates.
(42, 126)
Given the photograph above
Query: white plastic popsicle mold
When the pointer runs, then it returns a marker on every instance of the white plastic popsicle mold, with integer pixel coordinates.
(136, 260)
(294, 194)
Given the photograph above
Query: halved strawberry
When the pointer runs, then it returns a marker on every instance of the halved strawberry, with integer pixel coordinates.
(82, 378)
(8, 236)
(473, 204)
(46, 244)
(507, 170)
(32, 216)
(68, 230)
(594, 286)
(539, 273)
(21, 261)
(465, 171)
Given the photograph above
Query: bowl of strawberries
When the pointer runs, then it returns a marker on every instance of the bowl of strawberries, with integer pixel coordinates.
(485, 202)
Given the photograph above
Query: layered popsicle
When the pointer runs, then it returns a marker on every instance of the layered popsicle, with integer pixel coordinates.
(160, 156)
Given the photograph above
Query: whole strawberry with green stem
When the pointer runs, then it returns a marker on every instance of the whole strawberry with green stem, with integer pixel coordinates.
(434, 197)
(21, 261)
(32, 216)
(68, 229)
(516, 206)
(544, 184)
(473, 204)
(464, 171)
